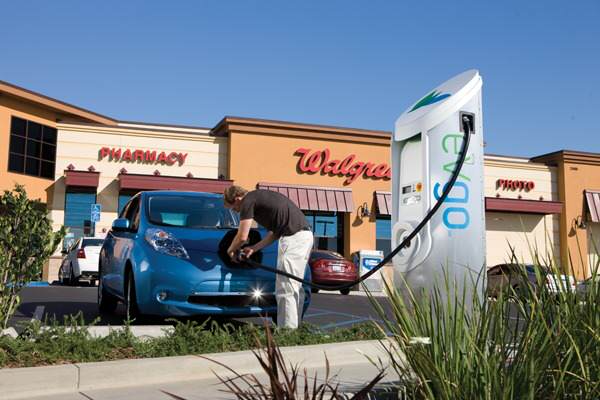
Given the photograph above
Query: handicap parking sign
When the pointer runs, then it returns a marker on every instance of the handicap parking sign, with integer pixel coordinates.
(95, 212)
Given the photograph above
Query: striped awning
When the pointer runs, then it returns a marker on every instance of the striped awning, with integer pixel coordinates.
(314, 198)
(383, 202)
(593, 202)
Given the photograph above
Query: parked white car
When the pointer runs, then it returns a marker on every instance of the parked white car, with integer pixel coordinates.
(584, 287)
(81, 261)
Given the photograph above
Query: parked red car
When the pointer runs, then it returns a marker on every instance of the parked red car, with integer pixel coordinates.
(331, 268)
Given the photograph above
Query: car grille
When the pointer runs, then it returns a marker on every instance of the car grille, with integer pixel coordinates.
(233, 300)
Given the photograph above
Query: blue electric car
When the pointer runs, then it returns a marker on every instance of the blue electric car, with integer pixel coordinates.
(166, 255)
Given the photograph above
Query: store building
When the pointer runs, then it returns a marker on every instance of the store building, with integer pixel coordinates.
(339, 177)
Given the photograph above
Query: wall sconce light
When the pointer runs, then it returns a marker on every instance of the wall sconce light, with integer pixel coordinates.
(581, 222)
(363, 210)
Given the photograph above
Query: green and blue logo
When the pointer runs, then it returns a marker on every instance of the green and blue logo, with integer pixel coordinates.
(431, 98)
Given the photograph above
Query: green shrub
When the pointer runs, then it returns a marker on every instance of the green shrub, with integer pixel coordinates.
(26, 243)
(68, 341)
(529, 343)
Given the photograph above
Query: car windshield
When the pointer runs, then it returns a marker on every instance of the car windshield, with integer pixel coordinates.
(92, 242)
(190, 212)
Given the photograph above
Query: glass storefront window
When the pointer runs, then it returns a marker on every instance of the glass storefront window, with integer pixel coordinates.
(123, 199)
(78, 207)
(384, 234)
(326, 229)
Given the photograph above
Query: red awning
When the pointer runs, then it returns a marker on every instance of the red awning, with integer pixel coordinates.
(314, 198)
(157, 182)
(383, 202)
(593, 202)
(523, 206)
(82, 178)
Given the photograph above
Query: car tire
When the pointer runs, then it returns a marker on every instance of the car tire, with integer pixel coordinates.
(314, 290)
(61, 276)
(132, 310)
(73, 281)
(345, 292)
(107, 303)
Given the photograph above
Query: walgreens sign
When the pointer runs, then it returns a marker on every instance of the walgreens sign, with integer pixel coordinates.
(141, 156)
(321, 161)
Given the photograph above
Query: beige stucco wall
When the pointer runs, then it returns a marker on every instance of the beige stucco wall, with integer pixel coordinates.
(527, 233)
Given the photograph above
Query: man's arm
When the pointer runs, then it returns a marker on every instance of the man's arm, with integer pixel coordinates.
(241, 237)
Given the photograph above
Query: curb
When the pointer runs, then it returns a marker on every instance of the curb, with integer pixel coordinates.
(139, 331)
(22, 383)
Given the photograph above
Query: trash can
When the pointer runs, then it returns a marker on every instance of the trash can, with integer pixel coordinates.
(366, 260)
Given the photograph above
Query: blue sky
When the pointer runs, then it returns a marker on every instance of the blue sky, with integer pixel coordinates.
(348, 63)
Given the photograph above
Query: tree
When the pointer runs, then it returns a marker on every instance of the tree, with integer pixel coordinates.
(26, 242)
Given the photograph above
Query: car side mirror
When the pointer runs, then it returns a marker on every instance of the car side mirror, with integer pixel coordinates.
(120, 225)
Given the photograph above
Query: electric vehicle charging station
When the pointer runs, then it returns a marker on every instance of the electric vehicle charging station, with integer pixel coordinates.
(426, 146)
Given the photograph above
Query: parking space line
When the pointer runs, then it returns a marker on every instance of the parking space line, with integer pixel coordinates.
(343, 323)
(337, 313)
(317, 314)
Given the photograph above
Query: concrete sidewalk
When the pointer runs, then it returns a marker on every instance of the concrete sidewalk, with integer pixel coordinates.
(191, 377)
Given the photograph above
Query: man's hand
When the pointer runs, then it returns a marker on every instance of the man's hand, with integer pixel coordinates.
(248, 251)
(231, 254)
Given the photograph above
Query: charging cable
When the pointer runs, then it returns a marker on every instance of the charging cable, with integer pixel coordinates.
(466, 123)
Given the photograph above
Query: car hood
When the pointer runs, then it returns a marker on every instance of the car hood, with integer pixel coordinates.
(205, 239)
(207, 251)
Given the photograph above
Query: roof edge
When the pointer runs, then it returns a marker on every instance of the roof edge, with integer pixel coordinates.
(55, 104)
(222, 126)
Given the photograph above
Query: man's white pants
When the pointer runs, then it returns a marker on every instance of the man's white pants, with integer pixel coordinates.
(292, 257)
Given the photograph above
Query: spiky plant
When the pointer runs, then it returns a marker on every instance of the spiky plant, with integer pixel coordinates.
(285, 382)
(531, 342)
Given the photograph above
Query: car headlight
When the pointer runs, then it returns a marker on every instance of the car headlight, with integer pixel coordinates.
(166, 243)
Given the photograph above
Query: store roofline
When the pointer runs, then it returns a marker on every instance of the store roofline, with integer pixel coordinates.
(221, 126)
(220, 129)
(573, 156)
(135, 128)
(161, 125)
(57, 105)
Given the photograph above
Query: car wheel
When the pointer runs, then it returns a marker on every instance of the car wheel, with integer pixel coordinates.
(73, 281)
(345, 291)
(61, 276)
(314, 290)
(131, 306)
(107, 303)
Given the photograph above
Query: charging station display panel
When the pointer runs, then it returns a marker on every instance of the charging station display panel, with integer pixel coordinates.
(426, 147)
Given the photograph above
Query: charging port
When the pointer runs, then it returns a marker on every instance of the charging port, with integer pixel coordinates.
(467, 120)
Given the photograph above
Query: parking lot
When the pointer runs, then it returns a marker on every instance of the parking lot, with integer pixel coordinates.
(327, 310)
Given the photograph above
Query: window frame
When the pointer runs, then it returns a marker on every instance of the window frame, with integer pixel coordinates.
(383, 217)
(43, 143)
(339, 228)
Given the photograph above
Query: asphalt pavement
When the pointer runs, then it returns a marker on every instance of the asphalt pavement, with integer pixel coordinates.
(327, 310)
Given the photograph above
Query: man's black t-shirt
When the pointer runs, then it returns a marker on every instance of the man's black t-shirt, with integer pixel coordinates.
(274, 211)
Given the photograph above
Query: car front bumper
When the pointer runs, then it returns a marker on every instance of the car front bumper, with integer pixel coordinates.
(170, 286)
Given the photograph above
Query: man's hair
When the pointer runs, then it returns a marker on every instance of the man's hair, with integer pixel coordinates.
(232, 192)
